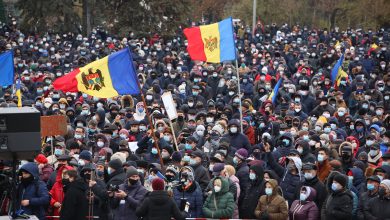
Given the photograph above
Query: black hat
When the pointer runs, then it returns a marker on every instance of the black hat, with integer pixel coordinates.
(192, 139)
(218, 167)
(374, 178)
(142, 163)
(341, 179)
(196, 154)
(309, 166)
(115, 164)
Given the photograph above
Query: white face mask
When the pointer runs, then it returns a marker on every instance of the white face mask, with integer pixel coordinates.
(233, 130)
(217, 188)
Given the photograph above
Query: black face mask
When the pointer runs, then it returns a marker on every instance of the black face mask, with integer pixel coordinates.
(170, 178)
(132, 181)
(180, 118)
(382, 193)
(65, 182)
(87, 176)
(114, 114)
(28, 180)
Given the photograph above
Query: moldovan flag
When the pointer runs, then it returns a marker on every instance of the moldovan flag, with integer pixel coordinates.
(213, 43)
(108, 77)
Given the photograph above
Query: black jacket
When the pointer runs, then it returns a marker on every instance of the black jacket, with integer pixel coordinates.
(158, 205)
(201, 176)
(338, 205)
(363, 211)
(377, 208)
(252, 194)
(116, 178)
(320, 189)
(75, 204)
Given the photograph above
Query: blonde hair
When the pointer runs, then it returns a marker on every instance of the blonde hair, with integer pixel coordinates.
(230, 170)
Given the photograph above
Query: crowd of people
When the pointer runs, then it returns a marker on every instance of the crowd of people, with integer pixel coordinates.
(319, 150)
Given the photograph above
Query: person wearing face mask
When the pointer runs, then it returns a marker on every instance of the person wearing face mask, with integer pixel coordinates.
(116, 175)
(372, 187)
(188, 191)
(297, 112)
(236, 138)
(272, 205)
(339, 203)
(285, 143)
(378, 207)
(63, 160)
(31, 193)
(201, 173)
(360, 131)
(374, 156)
(324, 168)
(57, 191)
(158, 204)
(166, 153)
(250, 196)
(59, 149)
(75, 204)
(356, 181)
(346, 156)
(305, 208)
(129, 196)
(220, 203)
(311, 180)
(303, 148)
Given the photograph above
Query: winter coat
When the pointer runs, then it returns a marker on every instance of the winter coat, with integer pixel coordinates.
(193, 195)
(324, 169)
(252, 194)
(158, 205)
(45, 172)
(364, 199)
(242, 173)
(219, 204)
(236, 182)
(305, 210)
(201, 176)
(338, 205)
(36, 192)
(238, 141)
(126, 210)
(307, 156)
(359, 181)
(289, 183)
(57, 191)
(320, 188)
(274, 206)
(75, 204)
(116, 178)
(377, 209)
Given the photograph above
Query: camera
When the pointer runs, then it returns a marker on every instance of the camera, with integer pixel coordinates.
(113, 188)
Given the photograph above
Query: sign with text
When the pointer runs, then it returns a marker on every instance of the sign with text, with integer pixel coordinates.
(169, 105)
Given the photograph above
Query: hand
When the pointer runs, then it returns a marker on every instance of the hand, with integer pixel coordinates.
(120, 194)
(92, 183)
(25, 202)
(267, 147)
(57, 205)
(41, 165)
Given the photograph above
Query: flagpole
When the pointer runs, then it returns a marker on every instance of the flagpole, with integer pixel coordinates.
(150, 122)
(239, 95)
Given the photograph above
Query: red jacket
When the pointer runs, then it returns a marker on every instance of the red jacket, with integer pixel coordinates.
(57, 191)
(250, 133)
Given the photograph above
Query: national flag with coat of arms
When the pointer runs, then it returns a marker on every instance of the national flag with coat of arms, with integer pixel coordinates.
(108, 77)
(213, 43)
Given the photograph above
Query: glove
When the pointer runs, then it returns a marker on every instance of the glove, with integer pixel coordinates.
(264, 216)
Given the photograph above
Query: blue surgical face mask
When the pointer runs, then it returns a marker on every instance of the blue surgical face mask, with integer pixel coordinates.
(335, 187)
(327, 130)
(154, 151)
(186, 158)
(268, 191)
(109, 170)
(188, 146)
(252, 176)
(193, 162)
(302, 197)
(320, 158)
(235, 161)
(58, 152)
(370, 186)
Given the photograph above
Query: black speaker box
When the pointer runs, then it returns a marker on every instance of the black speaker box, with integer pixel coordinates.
(20, 133)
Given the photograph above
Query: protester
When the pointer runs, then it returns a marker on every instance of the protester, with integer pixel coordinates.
(220, 203)
(305, 207)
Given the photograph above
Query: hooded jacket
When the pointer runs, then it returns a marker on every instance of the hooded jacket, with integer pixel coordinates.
(252, 194)
(57, 191)
(193, 195)
(158, 205)
(219, 204)
(36, 192)
(305, 210)
(274, 206)
(135, 195)
(75, 205)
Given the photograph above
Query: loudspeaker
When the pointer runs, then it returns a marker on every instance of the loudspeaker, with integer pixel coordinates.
(20, 133)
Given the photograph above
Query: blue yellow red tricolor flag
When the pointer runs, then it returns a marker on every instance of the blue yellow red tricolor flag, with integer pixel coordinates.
(213, 43)
(108, 77)
(275, 92)
(338, 72)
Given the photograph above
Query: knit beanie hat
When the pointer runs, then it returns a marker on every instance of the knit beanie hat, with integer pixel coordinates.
(115, 164)
(40, 158)
(131, 171)
(157, 184)
(176, 156)
(241, 153)
(386, 182)
(85, 155)
(341, 179)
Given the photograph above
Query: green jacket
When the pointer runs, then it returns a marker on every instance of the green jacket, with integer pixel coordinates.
(219, 204)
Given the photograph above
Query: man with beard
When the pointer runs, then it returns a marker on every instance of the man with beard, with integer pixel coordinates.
(32, 194)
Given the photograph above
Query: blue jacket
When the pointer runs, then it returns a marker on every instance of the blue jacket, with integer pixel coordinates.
(194, 196)
(238, 141)
(36, 192)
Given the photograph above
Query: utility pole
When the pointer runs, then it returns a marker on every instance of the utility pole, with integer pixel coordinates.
(254, 17)
(86, 17)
